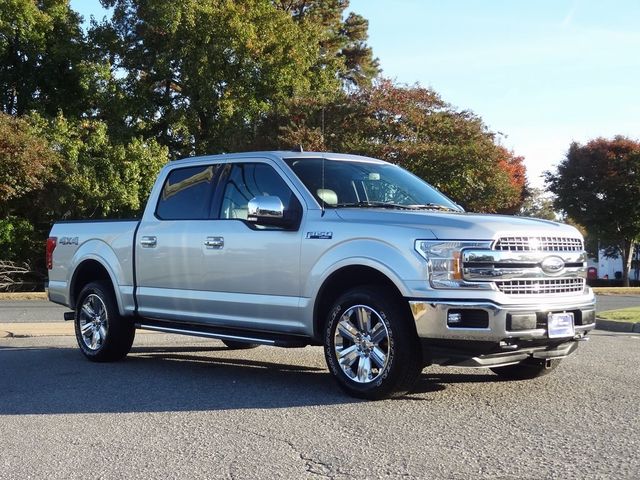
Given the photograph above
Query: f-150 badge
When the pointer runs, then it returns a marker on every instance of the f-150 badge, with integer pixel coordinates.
(319, 235)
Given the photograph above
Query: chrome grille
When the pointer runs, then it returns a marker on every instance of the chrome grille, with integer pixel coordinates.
(541, 287)
(540, 244)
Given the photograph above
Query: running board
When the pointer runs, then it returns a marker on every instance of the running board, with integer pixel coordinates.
(262, 338)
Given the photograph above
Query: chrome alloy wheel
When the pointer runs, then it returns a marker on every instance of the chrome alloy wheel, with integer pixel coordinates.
(93, 322)
(361, 344)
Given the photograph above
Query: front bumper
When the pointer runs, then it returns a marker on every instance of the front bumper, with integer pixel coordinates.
(498, 334)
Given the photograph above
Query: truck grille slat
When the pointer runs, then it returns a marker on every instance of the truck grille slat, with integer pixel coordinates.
(541, 244)
(542, 287)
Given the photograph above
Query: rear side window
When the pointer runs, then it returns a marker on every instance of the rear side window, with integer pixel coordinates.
(187, 193)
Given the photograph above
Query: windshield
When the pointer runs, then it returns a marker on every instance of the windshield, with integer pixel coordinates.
(354, 183)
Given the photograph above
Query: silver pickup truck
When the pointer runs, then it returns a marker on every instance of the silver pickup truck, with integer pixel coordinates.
(352, 253)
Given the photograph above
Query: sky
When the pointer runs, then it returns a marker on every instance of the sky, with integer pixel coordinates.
(543, 73)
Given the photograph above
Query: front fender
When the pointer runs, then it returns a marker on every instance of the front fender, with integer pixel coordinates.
(397, 265)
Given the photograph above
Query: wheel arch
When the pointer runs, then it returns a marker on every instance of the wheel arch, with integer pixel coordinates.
(343, 279)
(92, 270)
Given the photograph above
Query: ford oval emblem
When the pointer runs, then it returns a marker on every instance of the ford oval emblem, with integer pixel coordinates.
(552, 265)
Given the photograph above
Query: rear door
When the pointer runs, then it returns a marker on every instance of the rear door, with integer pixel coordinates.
(170, 245)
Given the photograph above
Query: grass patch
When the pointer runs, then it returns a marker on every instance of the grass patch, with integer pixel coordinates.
(631, 314)
(617, 290)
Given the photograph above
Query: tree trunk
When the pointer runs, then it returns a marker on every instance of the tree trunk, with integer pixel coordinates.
(627, 258)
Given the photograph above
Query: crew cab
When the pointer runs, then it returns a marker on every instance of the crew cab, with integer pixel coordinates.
(352, 253)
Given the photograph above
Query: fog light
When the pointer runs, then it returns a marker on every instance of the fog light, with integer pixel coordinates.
(467, 318)
(454, 318)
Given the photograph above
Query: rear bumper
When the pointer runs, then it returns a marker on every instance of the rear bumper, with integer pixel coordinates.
(496, 335)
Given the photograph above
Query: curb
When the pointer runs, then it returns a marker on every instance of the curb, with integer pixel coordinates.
(36, 329)
(615, 326)
(45, 329)
(18, 296)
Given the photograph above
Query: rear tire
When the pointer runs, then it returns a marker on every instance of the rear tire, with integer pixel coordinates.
(371, 347)
(103, 335)
(233, 345)
(527, 369)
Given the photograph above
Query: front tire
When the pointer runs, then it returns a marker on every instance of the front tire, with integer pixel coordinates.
(371, 348)
(103, 335)
(527, 369)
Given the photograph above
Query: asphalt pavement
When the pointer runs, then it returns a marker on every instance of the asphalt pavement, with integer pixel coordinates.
(182, 407)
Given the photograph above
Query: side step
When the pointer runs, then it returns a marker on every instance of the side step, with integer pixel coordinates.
(221, 333)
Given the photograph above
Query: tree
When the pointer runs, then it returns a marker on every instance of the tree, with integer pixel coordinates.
(343, 48)
(199, 75)
(415, 128)
(60, 168)
(44, 64)
(538, 204)
(98, 177)
(598, 185)
(27, 163)
(26, 160)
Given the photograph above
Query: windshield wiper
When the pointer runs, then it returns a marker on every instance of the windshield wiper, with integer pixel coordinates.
(369, 204)
(433, 206)
(372, 205)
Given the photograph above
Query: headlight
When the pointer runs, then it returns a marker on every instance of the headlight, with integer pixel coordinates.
(444, 259)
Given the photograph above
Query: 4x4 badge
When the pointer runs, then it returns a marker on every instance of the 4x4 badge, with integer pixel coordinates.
(68, 241)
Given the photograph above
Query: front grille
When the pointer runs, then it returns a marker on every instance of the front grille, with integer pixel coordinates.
(541, 287)
(539, 244)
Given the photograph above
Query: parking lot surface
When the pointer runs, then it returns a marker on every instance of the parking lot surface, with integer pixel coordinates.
(180, 407)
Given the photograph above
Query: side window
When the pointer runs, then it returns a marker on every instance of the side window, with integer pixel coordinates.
(187, 193)
(248, 180)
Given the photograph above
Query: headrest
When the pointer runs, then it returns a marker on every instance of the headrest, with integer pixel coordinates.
(327, 196)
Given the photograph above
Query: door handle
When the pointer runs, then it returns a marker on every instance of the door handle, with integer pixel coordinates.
(214, 242)
(148, 242)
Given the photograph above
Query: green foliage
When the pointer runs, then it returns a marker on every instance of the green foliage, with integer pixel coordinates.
(343, 49)
(17, 240)
(59, 168)
(26, 160)
(44, 61)
(97, 177)
(538, 204)
(598, 185)
(199, 75)
(415, 128)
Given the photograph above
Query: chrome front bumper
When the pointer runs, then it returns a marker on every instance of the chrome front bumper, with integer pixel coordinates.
(431, 319)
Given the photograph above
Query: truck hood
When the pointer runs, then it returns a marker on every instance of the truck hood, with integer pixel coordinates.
(459, 226)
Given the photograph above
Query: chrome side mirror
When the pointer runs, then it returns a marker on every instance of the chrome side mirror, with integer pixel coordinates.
(265, 209)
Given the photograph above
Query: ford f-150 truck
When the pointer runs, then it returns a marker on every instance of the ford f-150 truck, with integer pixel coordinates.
(352, 253)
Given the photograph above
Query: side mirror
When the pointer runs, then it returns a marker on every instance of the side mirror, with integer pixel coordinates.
(267, 210)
